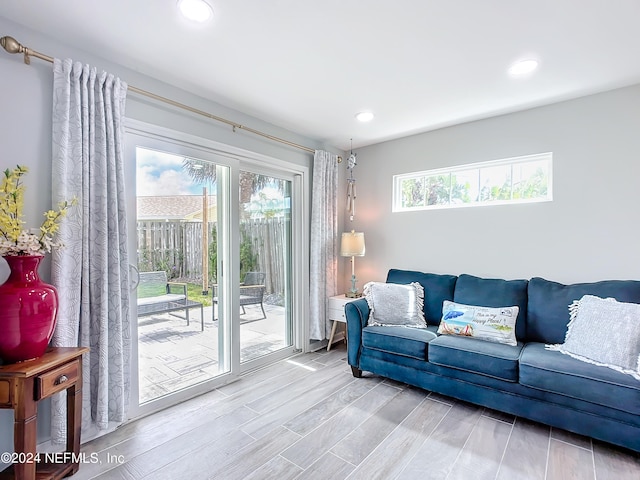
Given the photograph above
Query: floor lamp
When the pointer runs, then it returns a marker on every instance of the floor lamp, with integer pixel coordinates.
(352, 245)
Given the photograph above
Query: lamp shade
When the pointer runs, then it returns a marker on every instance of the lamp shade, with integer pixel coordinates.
(352, 244)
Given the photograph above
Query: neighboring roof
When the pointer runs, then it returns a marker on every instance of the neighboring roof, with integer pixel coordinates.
(174, 207)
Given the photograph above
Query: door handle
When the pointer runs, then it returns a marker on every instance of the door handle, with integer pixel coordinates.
(134, 277)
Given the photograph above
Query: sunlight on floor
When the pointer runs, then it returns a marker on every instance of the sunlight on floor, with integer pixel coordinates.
(302, 365)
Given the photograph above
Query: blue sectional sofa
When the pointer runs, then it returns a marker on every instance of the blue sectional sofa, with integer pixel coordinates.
(526, 380)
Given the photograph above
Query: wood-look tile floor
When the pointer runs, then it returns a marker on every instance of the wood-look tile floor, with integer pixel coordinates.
(307, 418)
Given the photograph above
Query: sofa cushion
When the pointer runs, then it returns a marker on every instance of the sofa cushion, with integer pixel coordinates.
(437, 288)
(548, 308)
(554, 372)
(494, 292)
(477, 356)
(409, 342)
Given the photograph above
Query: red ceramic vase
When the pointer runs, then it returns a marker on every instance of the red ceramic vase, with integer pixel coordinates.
(28, 309)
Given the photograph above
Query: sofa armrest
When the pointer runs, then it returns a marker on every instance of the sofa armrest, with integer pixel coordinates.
(357, 315)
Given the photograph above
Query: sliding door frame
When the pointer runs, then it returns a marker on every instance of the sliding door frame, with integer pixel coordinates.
(297, 252)
(235, 159)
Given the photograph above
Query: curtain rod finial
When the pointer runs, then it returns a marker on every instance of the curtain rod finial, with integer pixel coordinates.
(11, 45)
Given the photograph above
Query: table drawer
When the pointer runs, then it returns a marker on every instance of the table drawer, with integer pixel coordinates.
(5, 393)
(338, 302)
(56, 380)
(337, 314)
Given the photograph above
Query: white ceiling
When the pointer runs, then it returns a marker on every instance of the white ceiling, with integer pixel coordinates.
(310, 65)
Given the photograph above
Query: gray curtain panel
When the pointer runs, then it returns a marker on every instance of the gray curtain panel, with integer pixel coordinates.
(323, 267)
(91, 272)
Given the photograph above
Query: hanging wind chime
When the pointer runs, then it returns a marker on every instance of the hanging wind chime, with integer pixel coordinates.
(351, 184)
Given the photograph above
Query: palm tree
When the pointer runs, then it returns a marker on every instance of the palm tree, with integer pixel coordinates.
(199, 171)
(203, 172)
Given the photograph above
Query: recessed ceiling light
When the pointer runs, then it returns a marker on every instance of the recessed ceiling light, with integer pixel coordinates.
(196, 10)
(523, 67)
(364, 116)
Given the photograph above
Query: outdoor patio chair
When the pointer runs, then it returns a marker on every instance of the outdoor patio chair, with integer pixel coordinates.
(252, 291)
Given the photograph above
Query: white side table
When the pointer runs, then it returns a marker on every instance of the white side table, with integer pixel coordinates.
(336, 314)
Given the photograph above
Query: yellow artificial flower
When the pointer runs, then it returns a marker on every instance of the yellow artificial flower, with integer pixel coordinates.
(14, 239)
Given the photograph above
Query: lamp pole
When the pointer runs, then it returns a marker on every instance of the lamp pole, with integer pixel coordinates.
(353, 276)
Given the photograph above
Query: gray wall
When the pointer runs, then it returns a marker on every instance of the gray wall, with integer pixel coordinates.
(589, 232)
(25, 133)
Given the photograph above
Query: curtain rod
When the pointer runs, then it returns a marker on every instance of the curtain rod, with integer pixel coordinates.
(11, 45)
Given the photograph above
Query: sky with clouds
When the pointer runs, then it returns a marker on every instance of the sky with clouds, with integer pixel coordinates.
(162, 174)
(159, 173)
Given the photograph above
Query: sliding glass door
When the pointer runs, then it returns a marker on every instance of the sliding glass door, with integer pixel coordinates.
(212, 236)
(265, 265)
(178, 222)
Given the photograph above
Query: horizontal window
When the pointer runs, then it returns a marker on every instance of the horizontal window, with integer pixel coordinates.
(511, 180)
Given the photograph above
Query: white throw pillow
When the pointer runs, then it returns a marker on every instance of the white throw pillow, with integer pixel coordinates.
(604, 332)
(484, 323)
(394, 304)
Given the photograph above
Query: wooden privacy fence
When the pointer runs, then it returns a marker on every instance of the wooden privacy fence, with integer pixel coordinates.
(268, 240)
(176, 247)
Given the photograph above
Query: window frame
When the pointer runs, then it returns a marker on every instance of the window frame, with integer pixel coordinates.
(424, 176)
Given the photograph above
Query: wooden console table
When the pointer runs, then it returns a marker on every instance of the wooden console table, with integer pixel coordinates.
(22, 385)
